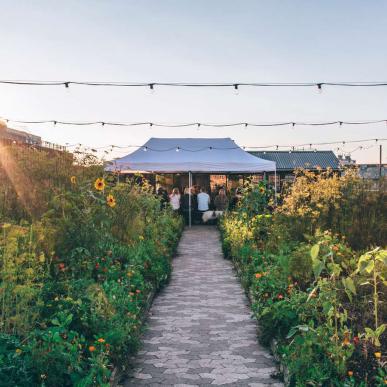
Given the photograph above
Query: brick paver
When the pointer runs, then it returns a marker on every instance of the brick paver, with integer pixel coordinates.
(200, 329)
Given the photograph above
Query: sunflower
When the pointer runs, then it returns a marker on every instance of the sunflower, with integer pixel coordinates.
(73, 179)
(111, 202)
(99, 184)
(261, 190)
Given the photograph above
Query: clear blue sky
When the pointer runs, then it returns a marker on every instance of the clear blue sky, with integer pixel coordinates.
(209, 41)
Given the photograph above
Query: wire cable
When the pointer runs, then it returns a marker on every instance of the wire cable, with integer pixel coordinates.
(293, 147)
(152, 85)
(195, 124)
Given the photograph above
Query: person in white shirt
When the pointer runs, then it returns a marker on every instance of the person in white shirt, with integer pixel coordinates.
(174, 199)
(203, 201)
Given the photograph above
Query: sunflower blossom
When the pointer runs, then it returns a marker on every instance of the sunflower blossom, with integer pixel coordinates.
(99, 184)
(111, 202)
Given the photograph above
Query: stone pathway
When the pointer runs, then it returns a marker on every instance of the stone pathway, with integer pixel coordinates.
(200, 329)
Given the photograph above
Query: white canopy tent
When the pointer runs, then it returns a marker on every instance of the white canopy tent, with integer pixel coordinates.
(191, 155)
(177, 155)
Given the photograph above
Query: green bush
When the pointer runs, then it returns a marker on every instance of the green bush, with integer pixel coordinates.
(310, 291)
(77, 282)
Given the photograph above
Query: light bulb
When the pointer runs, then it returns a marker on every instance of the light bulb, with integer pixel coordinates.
(178, 149)
(319, 88)
(236, 89)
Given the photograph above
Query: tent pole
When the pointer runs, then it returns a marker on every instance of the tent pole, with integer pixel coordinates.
(275, 186)
(190, 194)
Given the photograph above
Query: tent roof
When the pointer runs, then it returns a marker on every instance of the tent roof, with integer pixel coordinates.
(288, 161)
(174, 155)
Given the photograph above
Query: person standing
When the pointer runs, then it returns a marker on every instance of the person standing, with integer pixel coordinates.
(185, 204)
(174, 199)
(221, 201)
(203, 202)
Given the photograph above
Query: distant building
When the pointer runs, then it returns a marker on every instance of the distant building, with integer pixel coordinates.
(346, 160)
(19, 137)
(288, 161)
(9, 135)
(372, 171)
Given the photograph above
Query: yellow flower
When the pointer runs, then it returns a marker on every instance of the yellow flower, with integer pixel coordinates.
(111, 202)
(350, 373)
(141, 238)
(378, 355)
(99, 184)
(346, 341)
(18, 351)
(73, 179)
(261, 190)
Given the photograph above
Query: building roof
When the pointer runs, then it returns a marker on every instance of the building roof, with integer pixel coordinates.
(289, 160)
(173, 155)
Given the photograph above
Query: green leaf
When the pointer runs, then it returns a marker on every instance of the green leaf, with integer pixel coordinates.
(380, 330)
(55, 321)
(68, 320)
(318, 267)
(56, 338)
(349, 284)
(314, 251)
(334, 269)
(370, 267)
(298, 328)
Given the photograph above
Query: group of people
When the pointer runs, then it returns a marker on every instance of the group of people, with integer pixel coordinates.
(201, 201)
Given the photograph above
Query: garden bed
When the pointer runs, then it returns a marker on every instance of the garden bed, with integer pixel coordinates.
(317, 297)
(78, 270)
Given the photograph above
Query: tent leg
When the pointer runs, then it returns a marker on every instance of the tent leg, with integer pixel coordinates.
(190, 195)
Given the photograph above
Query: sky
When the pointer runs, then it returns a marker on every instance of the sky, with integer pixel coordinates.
(197, 41)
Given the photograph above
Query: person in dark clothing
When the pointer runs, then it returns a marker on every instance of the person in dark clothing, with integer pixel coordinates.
(163, 196)
(185, 205)
(221, 200)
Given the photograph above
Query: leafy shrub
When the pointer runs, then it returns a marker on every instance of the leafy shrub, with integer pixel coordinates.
(320, 299)
(76, 281)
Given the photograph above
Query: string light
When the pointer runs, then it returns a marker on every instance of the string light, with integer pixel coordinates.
(277, 147)
(236, 90)
(152, 85)
(193, 124)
